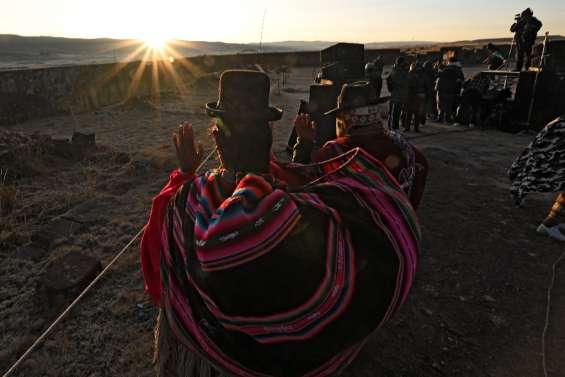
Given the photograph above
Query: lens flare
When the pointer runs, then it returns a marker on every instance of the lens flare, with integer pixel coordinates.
(155, 42)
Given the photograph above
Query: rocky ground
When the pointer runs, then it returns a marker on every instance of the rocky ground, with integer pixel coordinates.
(477, 308)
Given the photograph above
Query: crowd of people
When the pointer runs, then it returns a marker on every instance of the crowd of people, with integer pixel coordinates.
(438, 91)
(421, 91)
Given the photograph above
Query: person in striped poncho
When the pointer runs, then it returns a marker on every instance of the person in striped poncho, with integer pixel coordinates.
(268, 269)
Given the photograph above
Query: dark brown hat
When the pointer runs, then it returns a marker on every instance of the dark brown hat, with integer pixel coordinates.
(358, 94)
(244, 94)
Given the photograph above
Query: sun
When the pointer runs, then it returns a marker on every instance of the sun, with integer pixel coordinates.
(155, 42)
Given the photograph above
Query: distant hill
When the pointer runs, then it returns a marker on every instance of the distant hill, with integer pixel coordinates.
(499, 40)
(27, 52)
(18, 51)
(320, 45)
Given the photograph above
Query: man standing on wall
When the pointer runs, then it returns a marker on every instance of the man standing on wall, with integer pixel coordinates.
(525, 31)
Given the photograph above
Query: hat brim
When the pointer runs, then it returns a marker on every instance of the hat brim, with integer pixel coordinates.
(269, 114)
(338, 110)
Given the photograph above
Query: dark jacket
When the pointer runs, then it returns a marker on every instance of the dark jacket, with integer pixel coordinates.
(397, 84)
(431, 74)
(526, 30)
(450, 80)
(417, 83)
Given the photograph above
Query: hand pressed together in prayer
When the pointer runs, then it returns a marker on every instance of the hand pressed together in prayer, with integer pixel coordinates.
(305, 128)
(188, 154)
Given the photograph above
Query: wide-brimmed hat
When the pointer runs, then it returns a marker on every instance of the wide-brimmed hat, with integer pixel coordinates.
(244, 94)
(357, 94)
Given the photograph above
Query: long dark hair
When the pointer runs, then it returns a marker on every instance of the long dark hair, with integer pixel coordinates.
(244, 146)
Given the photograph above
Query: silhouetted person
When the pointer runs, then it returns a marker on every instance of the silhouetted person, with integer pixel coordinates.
(431, 74)
(448, 87)
(417, 91)
(374, 72)
(525, 31)
(470, 111)
(495, 60)
(397, 84)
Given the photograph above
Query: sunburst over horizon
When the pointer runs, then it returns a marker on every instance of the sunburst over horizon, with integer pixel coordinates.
(156, 42)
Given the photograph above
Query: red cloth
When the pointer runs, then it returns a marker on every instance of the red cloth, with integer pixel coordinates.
(151, 241)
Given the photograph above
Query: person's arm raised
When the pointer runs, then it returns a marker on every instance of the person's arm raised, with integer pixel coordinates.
(189, 155)
(306, 131)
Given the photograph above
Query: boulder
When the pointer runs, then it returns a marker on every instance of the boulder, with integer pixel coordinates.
(66, 277)
(31, 252)
(84, 139)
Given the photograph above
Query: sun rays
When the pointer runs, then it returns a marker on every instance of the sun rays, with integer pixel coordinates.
(154, 64)
(156, 42)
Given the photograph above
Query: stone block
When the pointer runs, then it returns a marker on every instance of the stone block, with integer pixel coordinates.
(66, 277)
(62, 228)
(30, 252)
(62, 146)
(84, 139)
(56, 231)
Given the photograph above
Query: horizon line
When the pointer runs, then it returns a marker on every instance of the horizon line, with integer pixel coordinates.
(255, 42)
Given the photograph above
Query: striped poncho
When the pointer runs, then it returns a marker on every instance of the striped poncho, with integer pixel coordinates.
(263, 279)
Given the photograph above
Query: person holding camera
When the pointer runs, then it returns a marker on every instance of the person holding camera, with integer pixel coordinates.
(525, 31)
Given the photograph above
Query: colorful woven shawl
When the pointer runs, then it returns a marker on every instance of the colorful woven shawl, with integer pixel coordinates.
(222, 224)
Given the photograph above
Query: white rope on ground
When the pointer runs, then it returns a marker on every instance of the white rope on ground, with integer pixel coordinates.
(71, 306)
(85, 291)
(547, 311)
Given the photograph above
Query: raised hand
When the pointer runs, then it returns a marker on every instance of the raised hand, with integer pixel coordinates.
(305, 128)
(188, 154)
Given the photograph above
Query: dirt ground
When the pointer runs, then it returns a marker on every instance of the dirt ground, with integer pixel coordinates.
(477, 308)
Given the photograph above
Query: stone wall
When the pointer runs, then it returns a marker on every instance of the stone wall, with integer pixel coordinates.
(37, 93)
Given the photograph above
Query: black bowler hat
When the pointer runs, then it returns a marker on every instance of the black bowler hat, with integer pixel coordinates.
(358, 94)
(244, 95)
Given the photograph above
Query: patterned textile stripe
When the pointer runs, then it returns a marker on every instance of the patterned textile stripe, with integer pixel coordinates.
(403, 226)
(325, 285)
(378, 191)
(541, 166)
(230, 231)
(375, 189)
(303, 322)
(268, 240)
(406, 175)
(315, 319)
(371, 174)
(281, 318)
(181, 320)
(362, 169)
(356, 173)
(179, 314)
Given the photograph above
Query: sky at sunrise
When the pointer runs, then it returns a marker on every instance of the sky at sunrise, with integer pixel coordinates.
(240, 21)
